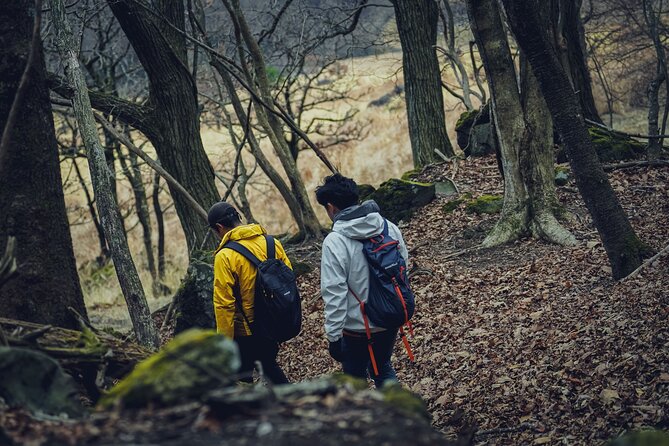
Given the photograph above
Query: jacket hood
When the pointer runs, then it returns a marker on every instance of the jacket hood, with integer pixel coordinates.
(360, 221)
(242, 232)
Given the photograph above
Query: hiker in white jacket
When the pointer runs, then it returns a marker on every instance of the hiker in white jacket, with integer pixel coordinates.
(345, 275)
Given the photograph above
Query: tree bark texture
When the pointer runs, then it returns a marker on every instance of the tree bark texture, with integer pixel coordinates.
(624, 249)
(172, 109)
(417, 27)
(126, 272)
(569, 36)
(524, 131)
(32, 207)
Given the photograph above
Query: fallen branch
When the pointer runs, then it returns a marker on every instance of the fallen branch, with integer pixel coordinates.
(630, 164)
(632, 135)
(648, 262)
(464, 251)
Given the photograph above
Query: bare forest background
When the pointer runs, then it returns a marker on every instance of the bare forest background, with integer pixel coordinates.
(346, 92)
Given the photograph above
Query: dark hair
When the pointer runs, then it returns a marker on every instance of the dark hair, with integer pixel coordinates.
(338, 190)
(224, 214)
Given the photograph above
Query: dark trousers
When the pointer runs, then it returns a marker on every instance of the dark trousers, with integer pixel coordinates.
(252, 349)
(356, 355)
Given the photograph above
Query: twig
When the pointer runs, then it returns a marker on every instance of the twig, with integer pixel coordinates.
(636, 272)
(464, 251)
(632, 135)
(630, 164)
(31, 336)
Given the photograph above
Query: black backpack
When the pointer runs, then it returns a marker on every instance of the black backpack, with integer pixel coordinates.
(278, 309)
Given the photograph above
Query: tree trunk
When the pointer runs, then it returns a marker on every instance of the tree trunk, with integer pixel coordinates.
(417, 27)
(173, 126)
(624, 249)
(126, 272)
(569, 36)
(524, 131)
(160, 225)
(32, 206)
(90, 202)
(131, 171)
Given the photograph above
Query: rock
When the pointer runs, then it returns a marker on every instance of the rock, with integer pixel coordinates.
(364, 191)
(485, 204)
(193, 302)
(35, 382)
(452, 205)
(193, 363)
(399, 199)
(445, 188)
(610, 147)
(561, 176)
(475, 132)
(405, 401)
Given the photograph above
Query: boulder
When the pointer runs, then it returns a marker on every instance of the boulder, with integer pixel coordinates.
(485, 204)
(475, 132)
(191, 364)
(561, 176)
(364, 191)
(642, 438)
(399, 199)
(610, 147)
(34, 381)
(193, 302)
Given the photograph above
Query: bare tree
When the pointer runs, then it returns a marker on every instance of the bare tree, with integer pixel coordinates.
(126, 272)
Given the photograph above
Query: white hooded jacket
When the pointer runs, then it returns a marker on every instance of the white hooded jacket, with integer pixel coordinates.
(343, 266)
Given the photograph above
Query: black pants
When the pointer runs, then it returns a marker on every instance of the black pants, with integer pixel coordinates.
(252, 349)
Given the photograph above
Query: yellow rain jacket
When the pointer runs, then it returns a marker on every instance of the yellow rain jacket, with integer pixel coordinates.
(231, 267)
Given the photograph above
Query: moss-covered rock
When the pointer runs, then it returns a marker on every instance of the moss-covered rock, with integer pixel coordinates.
(405, 401)
(452, 205)
(642, 438)
(474, 132)
(399, 199)
(364, 191)
(610, 146)
(194, 362)
(485, 204)
(35, 382)
(615, 147)
(193, 304)
(410, 175)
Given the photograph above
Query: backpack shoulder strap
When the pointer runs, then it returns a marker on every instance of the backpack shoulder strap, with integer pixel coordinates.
(243, 250)
(271, 249)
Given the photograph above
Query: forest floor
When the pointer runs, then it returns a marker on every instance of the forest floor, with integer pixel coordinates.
(529, 343)
(533, 343)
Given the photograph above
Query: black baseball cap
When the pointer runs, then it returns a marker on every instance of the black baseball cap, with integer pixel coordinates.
(220, 212)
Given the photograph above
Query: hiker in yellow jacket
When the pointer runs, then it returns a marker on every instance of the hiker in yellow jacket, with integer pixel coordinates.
(232, 270)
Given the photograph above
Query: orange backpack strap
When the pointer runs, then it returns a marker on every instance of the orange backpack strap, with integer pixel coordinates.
(368, 331)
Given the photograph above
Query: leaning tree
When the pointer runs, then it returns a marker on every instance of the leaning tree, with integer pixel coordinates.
(624, 249)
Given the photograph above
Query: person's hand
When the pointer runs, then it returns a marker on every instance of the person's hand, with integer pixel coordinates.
(336, 350)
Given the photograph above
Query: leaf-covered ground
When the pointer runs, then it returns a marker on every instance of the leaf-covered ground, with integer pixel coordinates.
(531, 342)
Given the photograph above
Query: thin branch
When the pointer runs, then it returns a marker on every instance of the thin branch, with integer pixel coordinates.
(632, 135)
(648, 262)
